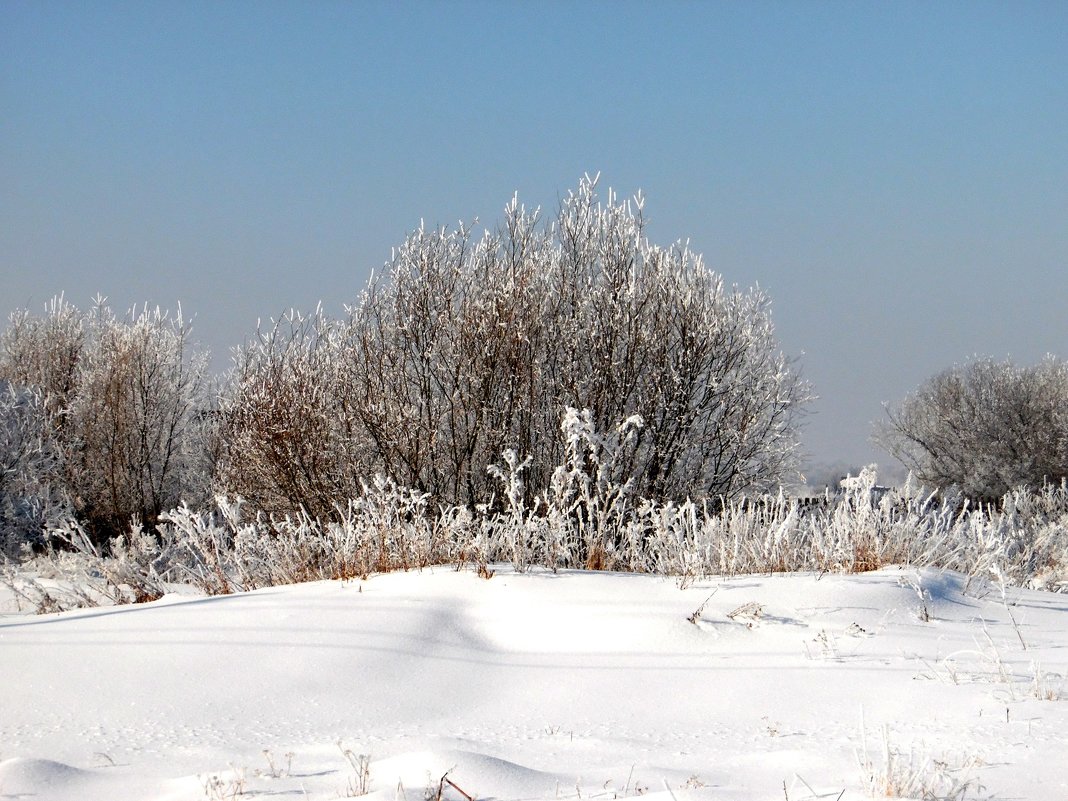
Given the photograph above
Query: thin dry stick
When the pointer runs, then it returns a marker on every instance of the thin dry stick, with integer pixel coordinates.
(453, 785)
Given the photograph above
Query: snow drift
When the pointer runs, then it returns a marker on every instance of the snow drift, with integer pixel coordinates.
(543, 686)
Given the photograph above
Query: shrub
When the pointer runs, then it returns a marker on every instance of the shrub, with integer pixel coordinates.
(122, 402)
(32, 500)
(985, 429)
(290, 438)
(469, 346)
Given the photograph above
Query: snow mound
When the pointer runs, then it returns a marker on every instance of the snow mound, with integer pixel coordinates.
(540, 685)
(477, 774)
(32, 778)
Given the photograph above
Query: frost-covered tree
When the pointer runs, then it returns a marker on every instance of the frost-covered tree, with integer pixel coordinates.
(123, 399)
(466, 346)
(985, 428)
(477, 346)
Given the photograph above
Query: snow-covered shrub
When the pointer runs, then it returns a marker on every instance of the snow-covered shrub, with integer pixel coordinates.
(138, 393)
(474, 346)
(594, 483)
(387, 528)
(985, 429)
(291, 439)
(125, 408)
(468, 346)
(514, 519)
(39, 359)
(896, 773)
(44, 353)
(32, 500)
(1027, 542)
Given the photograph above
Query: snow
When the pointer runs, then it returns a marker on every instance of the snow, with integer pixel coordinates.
(541, 686)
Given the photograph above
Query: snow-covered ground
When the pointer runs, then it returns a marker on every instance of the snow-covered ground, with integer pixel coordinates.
(543, 686)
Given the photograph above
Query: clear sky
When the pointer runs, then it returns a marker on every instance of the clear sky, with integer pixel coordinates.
(894, 175)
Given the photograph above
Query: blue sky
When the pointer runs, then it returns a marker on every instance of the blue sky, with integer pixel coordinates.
(894, 175)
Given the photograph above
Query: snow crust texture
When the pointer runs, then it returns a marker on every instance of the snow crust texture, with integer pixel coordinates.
(545, 686)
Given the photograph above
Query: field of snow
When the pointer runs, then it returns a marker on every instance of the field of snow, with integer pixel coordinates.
(544, 686)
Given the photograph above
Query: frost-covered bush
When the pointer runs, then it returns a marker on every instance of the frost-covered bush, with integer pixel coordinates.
(124, 406)
(477, 345)
(985, 429)
(138, 392)
(468, 346)
(32, 500)
(291, 439)
(44, 352)
(576, 519)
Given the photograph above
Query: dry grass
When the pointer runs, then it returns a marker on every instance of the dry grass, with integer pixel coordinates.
(393, 528)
